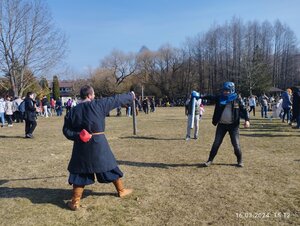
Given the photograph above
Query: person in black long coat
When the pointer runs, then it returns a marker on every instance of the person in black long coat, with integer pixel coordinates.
(92, 157)
(30, 115)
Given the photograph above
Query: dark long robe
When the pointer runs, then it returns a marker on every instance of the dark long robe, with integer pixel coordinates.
(95, 156)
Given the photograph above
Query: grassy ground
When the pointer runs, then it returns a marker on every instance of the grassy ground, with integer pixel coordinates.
(171, 187)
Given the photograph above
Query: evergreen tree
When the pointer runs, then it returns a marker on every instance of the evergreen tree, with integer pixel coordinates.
(55, 88)
(45, 88)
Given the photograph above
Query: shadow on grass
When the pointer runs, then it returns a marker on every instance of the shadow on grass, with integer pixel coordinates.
(149, 138)
(263, 120)
(269, 135)
(44, 195)
(225, 164)
(156, 164)
(269, 127)
(168, 165)
(202, 165)
(4, 181)
(268, 130)
(10, 137)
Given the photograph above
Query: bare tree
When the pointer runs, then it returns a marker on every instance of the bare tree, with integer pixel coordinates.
(188, 77)
(122, 65)
(168, 62)
(254, 55)
(103, 82)
(28, 41)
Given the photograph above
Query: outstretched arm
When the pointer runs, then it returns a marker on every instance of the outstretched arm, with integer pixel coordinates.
(110, 103)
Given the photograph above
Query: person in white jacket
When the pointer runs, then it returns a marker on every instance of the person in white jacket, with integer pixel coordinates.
(9, 111)
(252, 104)
(192, 110)
(2, 112)
(278, 109)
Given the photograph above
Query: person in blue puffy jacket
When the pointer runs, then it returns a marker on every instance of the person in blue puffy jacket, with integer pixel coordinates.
(287, 105)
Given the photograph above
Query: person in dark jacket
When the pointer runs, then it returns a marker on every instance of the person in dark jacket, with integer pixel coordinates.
(45, 104)
(30, 115)
(58, 107)
(296, 107)
(92, 155)
(287, 105)
(228, 110)
(21, 108)
(146, 105)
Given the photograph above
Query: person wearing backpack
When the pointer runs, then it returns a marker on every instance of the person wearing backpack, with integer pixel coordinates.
(21, 109)
(17, 114)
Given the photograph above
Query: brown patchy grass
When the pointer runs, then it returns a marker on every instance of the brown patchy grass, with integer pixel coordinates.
(171, 187)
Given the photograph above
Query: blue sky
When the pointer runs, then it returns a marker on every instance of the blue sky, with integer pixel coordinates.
(95, 27)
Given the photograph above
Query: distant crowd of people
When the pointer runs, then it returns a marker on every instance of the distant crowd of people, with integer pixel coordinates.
(146, 105)
(285, 106)
(13, 110)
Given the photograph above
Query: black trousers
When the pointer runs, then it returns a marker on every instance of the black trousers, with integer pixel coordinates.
(221, 131)
(29, 126)
(18, 115)
(9, 119)
(252, 108)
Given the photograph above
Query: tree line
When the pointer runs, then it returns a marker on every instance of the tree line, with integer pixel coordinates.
(256, 56)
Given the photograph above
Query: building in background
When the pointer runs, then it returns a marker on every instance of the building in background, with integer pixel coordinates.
(66, 88)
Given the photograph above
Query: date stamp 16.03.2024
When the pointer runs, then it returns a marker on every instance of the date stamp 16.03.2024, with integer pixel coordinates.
(263, 215)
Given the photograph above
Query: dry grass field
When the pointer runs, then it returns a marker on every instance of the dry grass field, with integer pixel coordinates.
(171, 186)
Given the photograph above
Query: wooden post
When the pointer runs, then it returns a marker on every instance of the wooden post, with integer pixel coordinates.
(134, 117)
